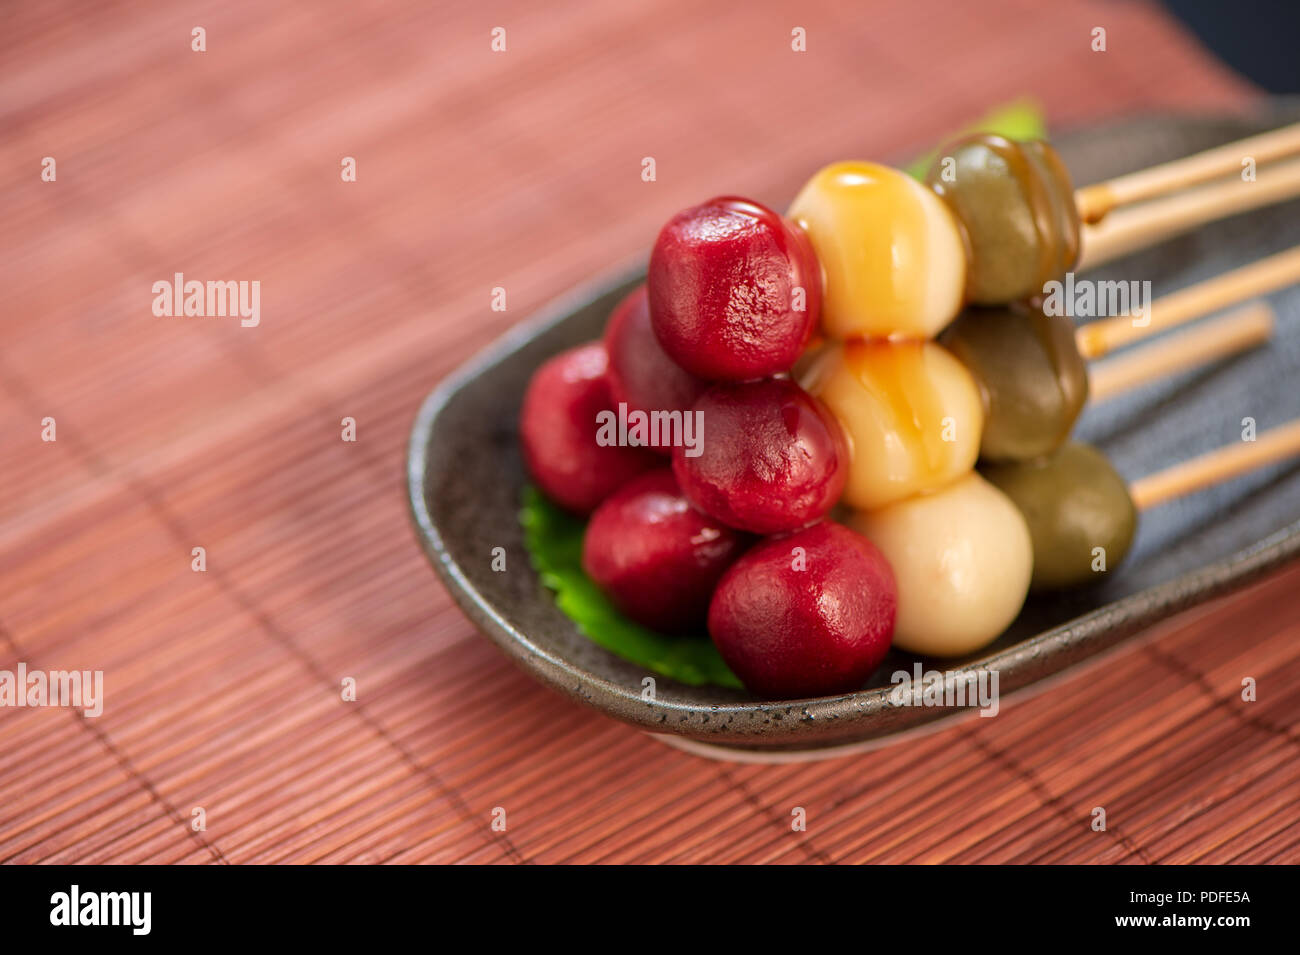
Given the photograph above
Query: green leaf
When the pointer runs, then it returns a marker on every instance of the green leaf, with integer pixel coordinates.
(1019, 120)
(554, 541)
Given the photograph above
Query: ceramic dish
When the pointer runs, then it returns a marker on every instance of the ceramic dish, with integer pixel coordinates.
(465, 479)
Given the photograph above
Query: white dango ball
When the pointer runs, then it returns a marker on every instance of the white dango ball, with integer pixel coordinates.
(962, 558)
(892, 254)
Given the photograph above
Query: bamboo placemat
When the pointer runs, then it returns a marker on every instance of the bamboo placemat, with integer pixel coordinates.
(477, 170)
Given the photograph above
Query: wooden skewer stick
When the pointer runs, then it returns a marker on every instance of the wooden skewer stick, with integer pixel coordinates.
(1235, 332)
(1258, 278)
(1216, 466)
(1095, 201)
(1147, 223)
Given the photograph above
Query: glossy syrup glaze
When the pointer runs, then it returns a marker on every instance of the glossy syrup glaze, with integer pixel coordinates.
(911, 412)
(1015, 203)
(891, 253)
(1032, 379)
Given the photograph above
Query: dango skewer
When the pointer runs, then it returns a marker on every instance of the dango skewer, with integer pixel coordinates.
(1082, 516)
(1098, 339)
(918, 415)
(965, 557)
(994, 222)
(1031, 368)
(1095, 201)
(1129, 229)
(947, 553)
(1239, 330)
(1007, 383)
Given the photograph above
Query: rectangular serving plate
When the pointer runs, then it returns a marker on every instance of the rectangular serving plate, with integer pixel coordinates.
(465, 478)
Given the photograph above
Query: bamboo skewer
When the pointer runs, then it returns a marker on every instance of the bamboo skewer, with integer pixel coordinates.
(1095, 201)
(1258, 278)
(1147, 223)
(1216, 466)
(1237, 331)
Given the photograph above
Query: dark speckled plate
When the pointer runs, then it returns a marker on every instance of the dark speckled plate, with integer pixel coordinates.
(465, 478)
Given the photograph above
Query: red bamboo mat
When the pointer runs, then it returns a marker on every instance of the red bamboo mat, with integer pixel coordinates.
(476, 170)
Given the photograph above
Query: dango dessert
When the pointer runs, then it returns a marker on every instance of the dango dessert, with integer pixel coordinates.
(557, 432)
(912, 414)
(994, 222)
(774, 458)
(1016, 208)
(641, 375)
(646, 543)
(735, 290)
(883, 407)
(806, 614)
(962, 558)
(890, 250)
(1032, 368)
(1078, 511)
(1082, 515)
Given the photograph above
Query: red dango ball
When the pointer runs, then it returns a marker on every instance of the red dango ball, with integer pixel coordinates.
(771, 457)
(723, 287)
(656, 557)
(808, 614)
(558, 426)
(641, 375)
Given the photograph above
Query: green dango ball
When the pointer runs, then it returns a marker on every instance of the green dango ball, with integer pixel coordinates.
(1032, 379)
(1015, 202)
(1081, 517)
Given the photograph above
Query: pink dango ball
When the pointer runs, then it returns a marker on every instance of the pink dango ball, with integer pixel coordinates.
(769, 457)
(808, 614)
(656, 557)
(558, 426)
(735, 290)
(641, 375)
